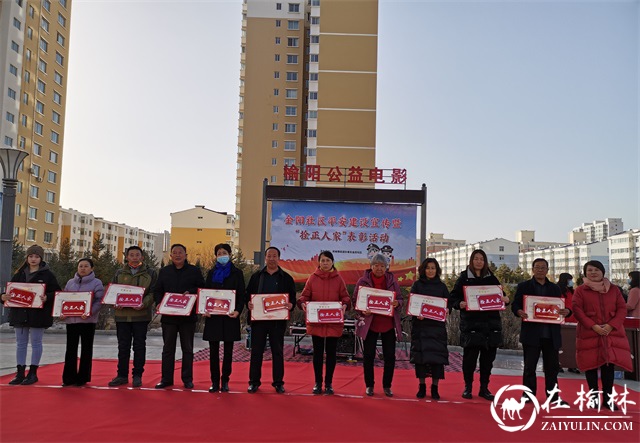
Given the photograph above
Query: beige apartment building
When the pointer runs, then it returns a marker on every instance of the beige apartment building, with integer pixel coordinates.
(34, 40)
(307, 98)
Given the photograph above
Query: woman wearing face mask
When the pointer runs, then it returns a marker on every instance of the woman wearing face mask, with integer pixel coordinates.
(325, 284)
(601, 341)
(565, 282)
(81, 329)
(223, 328)
(633, 300)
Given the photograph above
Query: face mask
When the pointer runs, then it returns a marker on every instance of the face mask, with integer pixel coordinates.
(628, 281)
(570, 284)
(223, 259)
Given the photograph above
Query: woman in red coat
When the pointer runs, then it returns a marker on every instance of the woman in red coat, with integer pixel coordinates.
(325, 284)
(601, 341)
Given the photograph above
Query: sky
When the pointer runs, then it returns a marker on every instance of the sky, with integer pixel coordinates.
(515, 114)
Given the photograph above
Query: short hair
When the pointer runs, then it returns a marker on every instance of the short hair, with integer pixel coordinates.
(635, 279)
(274, 248)
(539, 260)
(422, 269)
(595, 264)
(485, 268)
(379, 258)
(134, 248)
(178, 245)
(87, 259)
(219, 246)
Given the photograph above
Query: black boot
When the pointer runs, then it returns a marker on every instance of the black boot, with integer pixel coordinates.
(422, 390)
(19, 375)
(485, 393)
(467, 391)
(32, 376)
(434, 392)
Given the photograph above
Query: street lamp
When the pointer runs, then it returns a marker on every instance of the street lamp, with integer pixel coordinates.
(10, 159)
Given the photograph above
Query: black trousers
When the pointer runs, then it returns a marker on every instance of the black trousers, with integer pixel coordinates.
(76, 333)
(319, 346)
(388, 353)
(469, 359)
(607, 375)
(214, 361)
(170, 336)
(127, 332)
(259, 331)
(550, 365)
(433, 370)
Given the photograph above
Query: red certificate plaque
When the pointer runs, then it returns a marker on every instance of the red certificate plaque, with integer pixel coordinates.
(72, 304)
(324, 312)
(216, 301)
(270, 307)
(543, 309)
(24, 295)
(484, 298)
(125, 296)
(427, 306)
(378, 301)
(176, 304)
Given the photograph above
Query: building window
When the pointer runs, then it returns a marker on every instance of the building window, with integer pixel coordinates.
(48, 216)
(62, 20)
(63, 3)
(8, 141)
(25, 98)
(31, 234)
(57, 98)
(294, 7)
(313, 58)
(39, 107)
(17, 23)
(291, 111)
(59, 59)
(44, 45)
(315, 2)
(34, 191)
(33, 213)
(19, 188)
(313, 95)
(274, 126)
(42, 66)
(42, 86)
(292, 76)
(60, 39)
(278, 6)
(52, 177)
(27, 76)
(53, 157)
(292, 59)
(11, 93)
(30, 33)
(278, 23)
(37, 128)
(15, 46)
(13, 70)
(22, 142)
(315, 20)
(48, 237)
(274, 179)
(37, 149)
(313, 76)
(292, 93)
(290, 128)
(292, 42)
(57, 77)
(275, 109)
(277, 40)
(18, 209)
(55, 117)
(274, 162)
(44, 24)
(274, 143)
(315, 39)
(501, 248)
(290, 145)
(293, 25)
(312, 133)
(276, 74)
(276, 58)
(11, 118)
(313, 114)
(23, 120)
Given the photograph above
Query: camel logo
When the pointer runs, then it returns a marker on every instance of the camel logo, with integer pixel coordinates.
(511, 407)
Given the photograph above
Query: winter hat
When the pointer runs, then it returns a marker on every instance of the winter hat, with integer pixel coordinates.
(37, 250)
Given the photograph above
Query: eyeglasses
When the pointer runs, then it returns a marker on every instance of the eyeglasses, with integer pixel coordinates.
(540, 268)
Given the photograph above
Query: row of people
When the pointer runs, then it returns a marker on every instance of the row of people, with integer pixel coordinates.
(480, 331)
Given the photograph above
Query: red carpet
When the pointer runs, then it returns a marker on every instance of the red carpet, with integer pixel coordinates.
(47, 412)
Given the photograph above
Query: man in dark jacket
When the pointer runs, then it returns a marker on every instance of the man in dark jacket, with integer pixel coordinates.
(539, 337)
(269, 280)
(182, 278)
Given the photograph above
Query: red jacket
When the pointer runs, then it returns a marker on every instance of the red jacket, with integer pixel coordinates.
(594, 308)
(568, 302)
(325, 286)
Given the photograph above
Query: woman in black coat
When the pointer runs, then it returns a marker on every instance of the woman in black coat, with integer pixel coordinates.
(480, 331)
(225, 328)
(31, 322)
(429, 352)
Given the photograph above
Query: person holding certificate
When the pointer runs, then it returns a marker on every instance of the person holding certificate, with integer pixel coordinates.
(179, 277)
(223, 328)
(429, 352)
(132, 322)
(539, 337)
(370, 326)
(81, 328)
(269, 280)
(31, 322)
(325, 285)
(601, 341)
(480, 330)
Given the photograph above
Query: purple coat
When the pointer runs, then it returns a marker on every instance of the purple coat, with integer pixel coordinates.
(88, 283)
(363, 323)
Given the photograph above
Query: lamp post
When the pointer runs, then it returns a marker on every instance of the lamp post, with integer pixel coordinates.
(10, 159)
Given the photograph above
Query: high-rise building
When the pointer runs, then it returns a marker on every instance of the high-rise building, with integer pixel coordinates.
(598, 230)
(308, 81)
(34, 54)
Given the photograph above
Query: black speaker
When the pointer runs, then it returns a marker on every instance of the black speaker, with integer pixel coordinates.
(346, 346)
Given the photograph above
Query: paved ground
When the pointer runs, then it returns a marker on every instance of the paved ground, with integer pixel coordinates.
(507, 362)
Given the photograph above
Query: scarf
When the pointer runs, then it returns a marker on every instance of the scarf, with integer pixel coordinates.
(220, 272)
(597, 286)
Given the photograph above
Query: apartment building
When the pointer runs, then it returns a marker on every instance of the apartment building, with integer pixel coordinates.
(499, 252)
(199, 229)
(624, 254)
(599, 230)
